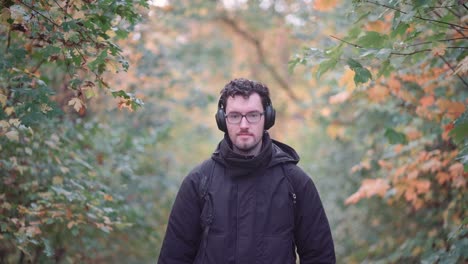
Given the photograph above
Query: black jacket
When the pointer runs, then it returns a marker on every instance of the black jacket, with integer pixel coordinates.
(259, 215)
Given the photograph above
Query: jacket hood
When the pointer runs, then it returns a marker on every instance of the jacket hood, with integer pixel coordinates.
(272, 153)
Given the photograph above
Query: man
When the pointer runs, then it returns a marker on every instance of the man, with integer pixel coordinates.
(252, 204)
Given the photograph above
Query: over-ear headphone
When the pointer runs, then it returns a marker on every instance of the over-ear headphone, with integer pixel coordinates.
(220, 116)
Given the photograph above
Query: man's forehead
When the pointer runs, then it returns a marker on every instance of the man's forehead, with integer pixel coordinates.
(241, 101)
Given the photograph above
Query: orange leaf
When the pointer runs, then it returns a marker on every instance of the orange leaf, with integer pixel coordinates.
(325, 5)
(451, 108)
(108, 197)
(413, 134)
(378, 93)
(339, 97)
(378, 26)
(427, 101)
(442, 177)
(369, 188)
(432, 165)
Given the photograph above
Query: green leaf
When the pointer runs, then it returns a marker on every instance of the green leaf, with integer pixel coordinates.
(372, 39)
(459, 133)
(361, 74)
(99, 62)
(48, 249)
(385, 69)
(400, 29)
(326, 66)
(395, 137)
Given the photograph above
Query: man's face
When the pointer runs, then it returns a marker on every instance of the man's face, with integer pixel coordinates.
(246, 137)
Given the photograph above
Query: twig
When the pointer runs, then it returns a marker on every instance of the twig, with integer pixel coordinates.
(261, 55)
(450, 66)
(398, 53)
(440, 40)
(349, 43)
(418, 17)
(454, 28)
(42, 15)
(33, 70)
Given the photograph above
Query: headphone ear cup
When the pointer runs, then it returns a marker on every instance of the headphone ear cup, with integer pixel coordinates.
(270, 115)
(221, 120)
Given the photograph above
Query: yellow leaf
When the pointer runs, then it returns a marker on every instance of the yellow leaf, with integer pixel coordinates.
(439, 51)
(3, 99)
(15, 122)
(347, 80)
(76, 103)
(9, 110)
(71, 224)
(335, 131)
(12, 135)
(57, 180)
(4, 124)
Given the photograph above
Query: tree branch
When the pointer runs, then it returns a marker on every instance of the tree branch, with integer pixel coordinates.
(440, 40)
(261, 55)
(39, 13)
(450, 66)
(454, 28)
(398, 53)
(418, 17)
(349, 43)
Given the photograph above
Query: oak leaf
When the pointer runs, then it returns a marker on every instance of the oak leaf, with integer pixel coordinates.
(76, 103)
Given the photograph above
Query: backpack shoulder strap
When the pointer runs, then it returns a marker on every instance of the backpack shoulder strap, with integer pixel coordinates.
(206, 216)
(285, 167)
(206, 169)
(292, 193)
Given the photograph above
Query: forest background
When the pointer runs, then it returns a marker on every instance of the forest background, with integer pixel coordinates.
(106, 106)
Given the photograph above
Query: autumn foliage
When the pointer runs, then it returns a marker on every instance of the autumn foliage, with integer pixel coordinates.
(373, 93)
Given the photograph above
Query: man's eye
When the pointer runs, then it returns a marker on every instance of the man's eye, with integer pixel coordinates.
(253, 115)
(234, 115)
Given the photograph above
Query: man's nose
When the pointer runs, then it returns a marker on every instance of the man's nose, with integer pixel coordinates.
(244, 123)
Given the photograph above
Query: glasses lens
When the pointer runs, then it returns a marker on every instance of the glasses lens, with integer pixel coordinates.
(234, 118)
(253, 117)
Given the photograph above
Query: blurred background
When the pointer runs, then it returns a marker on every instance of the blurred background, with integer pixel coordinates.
(107, 105)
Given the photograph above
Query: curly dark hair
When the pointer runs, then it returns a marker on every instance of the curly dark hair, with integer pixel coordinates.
(245, 87)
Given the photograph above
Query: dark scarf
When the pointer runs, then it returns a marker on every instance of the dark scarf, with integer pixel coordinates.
(238, 165)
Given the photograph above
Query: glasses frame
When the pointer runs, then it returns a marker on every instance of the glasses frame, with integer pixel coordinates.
(242, 116)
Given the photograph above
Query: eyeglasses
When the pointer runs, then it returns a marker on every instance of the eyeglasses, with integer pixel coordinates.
(236, 118)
